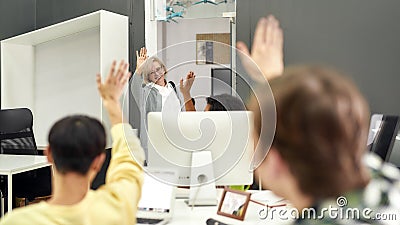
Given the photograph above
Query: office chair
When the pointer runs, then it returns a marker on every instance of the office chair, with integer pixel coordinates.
(16, 134)
(383, 137)
(17, 138)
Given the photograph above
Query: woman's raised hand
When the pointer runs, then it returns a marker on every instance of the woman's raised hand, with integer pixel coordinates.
(141, 57)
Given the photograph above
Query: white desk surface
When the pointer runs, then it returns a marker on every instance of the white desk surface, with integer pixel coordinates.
(12, 164)
(184, 214)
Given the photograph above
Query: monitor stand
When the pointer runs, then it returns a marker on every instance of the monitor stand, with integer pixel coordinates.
(1, 204)
(202, 192)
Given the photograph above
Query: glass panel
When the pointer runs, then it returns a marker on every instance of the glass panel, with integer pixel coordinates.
(394, 157)
(174, 10)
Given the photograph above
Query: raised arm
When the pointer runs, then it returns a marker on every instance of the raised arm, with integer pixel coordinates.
(124, 176)
(111, 90)
(137, 79)
(185, 87)
(141, 57)
(266, 52)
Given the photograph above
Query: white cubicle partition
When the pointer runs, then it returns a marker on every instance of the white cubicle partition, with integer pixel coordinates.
(53, 70)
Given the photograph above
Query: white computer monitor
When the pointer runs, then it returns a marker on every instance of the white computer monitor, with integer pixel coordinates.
(176, 141)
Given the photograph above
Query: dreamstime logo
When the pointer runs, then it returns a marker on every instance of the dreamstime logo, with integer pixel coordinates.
(341, 201)
(175, 135)
(339, 212)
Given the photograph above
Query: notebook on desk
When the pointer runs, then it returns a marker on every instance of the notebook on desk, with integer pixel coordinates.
(156, 205)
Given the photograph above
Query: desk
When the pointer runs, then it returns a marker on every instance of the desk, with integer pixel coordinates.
(184, 214)
(14, 164)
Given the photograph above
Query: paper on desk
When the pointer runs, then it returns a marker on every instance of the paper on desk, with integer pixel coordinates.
(266, 197)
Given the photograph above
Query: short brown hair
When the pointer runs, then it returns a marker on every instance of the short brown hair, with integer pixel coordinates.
(321, 130)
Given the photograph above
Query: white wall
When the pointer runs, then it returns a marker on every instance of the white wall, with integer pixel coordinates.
(179, 54)
(65, 70)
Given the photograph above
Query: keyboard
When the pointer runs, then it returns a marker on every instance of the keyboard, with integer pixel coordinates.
(148, 221)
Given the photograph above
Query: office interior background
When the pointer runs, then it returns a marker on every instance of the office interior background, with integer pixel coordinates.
(359, 37)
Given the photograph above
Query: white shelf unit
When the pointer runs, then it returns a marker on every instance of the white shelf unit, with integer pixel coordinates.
(53, 70)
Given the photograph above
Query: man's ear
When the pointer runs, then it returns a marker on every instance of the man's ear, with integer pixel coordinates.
(48, 153)
(98, 162)
(273, 164)
(278, 164)
(268, 172)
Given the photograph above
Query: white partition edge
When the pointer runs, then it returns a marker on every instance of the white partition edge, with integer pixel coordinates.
(151, 31)
(113, 47)
(58, 30)
(19, 60)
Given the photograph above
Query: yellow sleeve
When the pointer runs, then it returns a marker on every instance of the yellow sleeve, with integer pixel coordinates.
(125, 172)
(116, 201)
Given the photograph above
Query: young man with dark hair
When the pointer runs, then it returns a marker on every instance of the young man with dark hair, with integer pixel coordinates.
(224, 102)
(75, 141)
(76, 151)
(318, 157)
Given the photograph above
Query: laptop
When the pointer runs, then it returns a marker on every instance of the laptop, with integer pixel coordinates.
(156, 205)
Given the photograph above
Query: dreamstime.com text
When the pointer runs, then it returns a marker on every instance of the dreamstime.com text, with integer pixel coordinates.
(339, 212)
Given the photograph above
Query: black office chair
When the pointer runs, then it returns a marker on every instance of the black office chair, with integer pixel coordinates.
(16, 137)
(383, 137)
(16, 134)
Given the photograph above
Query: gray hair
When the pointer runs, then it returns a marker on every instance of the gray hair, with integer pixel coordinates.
(147, 66)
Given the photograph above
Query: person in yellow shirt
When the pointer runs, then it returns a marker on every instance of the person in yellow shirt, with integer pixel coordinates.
(76, 151)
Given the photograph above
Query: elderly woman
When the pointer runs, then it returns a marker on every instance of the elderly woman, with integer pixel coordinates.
(152, 92)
